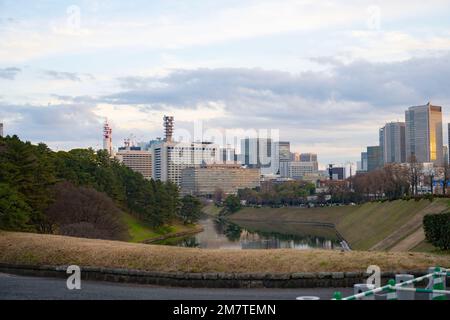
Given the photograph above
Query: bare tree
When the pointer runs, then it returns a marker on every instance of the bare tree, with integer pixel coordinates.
(85, 212)
(415, 171)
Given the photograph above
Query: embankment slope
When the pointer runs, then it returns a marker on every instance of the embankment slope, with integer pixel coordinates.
(371, 226)
(38, 249)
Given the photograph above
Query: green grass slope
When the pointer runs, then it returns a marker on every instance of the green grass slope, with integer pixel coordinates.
(140, 231)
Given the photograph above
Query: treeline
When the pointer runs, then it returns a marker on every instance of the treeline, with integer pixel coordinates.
(289, 193)
(80, 192)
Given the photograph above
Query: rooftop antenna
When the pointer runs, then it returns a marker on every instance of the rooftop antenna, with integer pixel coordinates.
(168, 128)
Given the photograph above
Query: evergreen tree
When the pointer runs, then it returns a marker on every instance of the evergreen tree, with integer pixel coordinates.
(191, 209)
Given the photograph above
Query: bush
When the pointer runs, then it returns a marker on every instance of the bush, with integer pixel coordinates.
(85, 212)
(437, 229)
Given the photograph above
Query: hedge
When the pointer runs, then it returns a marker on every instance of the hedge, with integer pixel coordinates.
(437, 229)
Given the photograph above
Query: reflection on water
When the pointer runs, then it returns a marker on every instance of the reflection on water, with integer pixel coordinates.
(223, 234)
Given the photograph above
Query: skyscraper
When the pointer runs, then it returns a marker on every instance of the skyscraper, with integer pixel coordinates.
(381, 143)
(448, 125)
(374, 158)
(363, 161)
(169, 157)
(261, 153)
(393, 137)
(228, 154)
(308, 157)
(424, 134)
(284, 148)
(1, 129)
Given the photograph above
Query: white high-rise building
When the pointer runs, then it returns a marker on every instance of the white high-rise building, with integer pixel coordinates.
(393, 139)
(169, 158)
(424, 134)
(1, 129)
(262, 153)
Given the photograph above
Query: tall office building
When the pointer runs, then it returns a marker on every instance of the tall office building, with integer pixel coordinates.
(284, 148)
(392, 136)
(204, 180)
(337, 173)
(374, 158)
(448, 125)
(169, 157)
(381, 143)
(136, 159)
(363, 161)
(295, 156)
(446, 160)
(424, 134)
(301, 169)
(228, 155)
(261, 153)
(308, 157)
(1, 129)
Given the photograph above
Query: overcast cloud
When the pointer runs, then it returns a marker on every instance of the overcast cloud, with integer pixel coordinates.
(326, 75)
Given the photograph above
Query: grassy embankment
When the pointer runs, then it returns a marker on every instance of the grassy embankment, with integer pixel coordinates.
(140, 232)
(394, 225)
(39, 249)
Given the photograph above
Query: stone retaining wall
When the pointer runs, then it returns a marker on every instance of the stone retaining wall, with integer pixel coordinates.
(208, 280)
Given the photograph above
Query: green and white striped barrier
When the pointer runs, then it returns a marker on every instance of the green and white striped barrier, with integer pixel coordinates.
(438, 285)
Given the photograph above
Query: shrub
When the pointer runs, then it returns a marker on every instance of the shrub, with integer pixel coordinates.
(437, 229)
(85, 212)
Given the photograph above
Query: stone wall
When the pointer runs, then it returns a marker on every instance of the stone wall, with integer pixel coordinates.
(208, 280)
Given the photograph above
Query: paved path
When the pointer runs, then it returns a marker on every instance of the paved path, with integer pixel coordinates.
(20, 287)
(410, 242)
(406, 237)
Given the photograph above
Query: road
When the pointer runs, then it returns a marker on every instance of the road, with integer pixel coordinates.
(14, 287)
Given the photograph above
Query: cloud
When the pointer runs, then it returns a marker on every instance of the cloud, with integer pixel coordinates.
(381, 85)
(212, 24)
(9, 73)
(340, 108)
(72, 125)
(72, 76)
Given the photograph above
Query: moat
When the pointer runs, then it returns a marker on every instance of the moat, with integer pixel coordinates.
(224, 234)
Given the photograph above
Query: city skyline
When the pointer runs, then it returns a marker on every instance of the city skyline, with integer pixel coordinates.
(318, 73)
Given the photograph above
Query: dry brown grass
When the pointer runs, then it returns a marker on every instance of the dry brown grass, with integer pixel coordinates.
(27, 248)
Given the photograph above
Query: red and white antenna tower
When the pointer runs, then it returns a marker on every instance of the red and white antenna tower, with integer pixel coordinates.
(107, 138)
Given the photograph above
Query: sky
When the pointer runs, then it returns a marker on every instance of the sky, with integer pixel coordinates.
(325, 74)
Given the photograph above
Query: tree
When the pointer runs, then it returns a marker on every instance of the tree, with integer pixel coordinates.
(191, 209)
(219, 195)
(232, 204)
(415, 171)
(446, 177)
(437, 229)
(14, 211)
(32, 171)
(85, 212)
